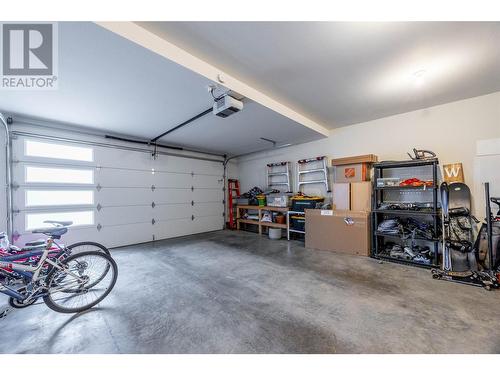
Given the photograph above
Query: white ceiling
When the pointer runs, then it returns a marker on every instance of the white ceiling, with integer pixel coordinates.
(344, 73)
(108, 83)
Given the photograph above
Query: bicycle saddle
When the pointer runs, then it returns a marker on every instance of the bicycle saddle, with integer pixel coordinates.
(55, 233)
(59, 223)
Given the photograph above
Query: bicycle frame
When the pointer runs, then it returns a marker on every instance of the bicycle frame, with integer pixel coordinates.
(31, 272)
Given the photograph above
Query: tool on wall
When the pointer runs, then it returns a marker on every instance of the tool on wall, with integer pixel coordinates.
(308, 167)
(278, 174)
(422, 155)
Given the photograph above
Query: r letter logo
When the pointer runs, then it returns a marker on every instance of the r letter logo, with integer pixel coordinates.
(29, 56)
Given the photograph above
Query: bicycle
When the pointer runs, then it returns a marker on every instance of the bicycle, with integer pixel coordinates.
(67, 283)
(7, 249)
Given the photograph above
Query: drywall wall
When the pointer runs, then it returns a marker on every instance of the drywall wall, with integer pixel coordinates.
(451, 130)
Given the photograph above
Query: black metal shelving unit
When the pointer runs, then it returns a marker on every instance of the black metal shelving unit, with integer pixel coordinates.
(405, 169)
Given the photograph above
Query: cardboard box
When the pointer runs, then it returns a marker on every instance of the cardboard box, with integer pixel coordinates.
(339, 231)
(341, 196)
(361, 196)
(370, 159)
(353, 169)
(351, 173)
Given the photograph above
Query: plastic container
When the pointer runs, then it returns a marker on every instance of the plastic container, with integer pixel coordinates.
(262, 200)
(298, 222)
(388, 182)
(280, 219)
(301, 203)
(279, 200)
(274, 233)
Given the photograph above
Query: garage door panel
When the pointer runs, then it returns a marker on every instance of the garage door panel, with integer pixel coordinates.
(117, 158)
(169, 212)
(124, 215)
(208, 224)
(207, 167)
(208, 195)
(173, 228)
(203, 209)
(201, 181)
(169, 180)
(124, 178)
(122, 235)
(124, 196)
(162, 196)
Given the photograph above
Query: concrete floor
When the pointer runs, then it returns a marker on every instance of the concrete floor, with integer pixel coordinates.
(236, 292)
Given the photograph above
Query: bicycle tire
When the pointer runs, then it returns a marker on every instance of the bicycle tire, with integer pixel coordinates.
(50, 278)
(89, 243)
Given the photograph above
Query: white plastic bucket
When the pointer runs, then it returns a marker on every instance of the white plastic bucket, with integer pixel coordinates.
(274, 233)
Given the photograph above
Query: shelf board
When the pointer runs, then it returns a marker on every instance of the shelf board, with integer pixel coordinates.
(378, 234)
(264, 208)
(272, 225)
(423, 188)
(406, 163)
(407, 212)
(406, 262)
(296, 231)
(246, 221)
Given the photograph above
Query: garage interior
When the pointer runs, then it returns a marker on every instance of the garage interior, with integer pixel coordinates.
(265, 187)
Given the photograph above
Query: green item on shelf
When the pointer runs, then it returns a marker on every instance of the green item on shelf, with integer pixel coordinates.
(262, 200)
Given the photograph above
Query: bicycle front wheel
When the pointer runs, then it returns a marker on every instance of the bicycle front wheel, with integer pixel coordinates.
(80, 285)
(81, 247)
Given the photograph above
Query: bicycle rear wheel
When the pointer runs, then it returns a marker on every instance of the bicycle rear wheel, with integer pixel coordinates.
(83, 284)
(85, 246)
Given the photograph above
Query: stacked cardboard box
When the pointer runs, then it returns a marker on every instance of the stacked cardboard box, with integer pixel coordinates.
(347, 228)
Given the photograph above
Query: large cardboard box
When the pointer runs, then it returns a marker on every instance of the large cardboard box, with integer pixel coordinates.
(339, 231)
(342, 196)
(361, 196)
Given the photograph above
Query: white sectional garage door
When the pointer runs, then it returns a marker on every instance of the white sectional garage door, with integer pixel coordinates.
(114, 196)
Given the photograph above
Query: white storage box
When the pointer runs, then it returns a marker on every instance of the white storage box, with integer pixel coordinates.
(279, 200)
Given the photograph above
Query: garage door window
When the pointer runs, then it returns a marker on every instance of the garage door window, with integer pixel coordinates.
(36, 220)
(47, 175)
(36, 198)
(63, 192)
(57, 151)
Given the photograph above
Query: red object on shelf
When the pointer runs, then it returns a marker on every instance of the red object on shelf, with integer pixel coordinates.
(415, 182)
(233, 191)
